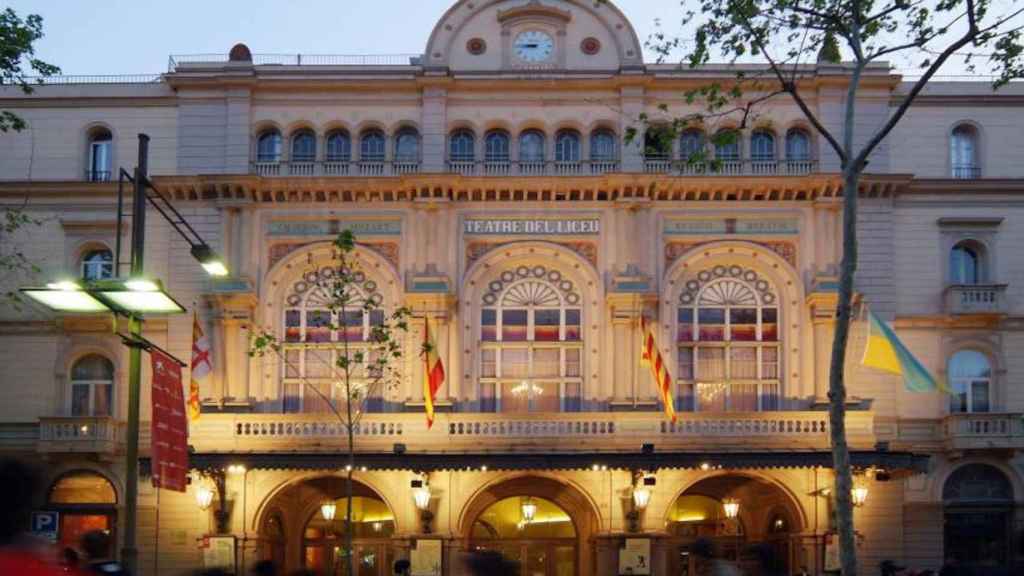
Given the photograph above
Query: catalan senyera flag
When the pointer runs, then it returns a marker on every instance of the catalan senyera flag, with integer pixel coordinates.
(884, 351)
(433, 373)
(651, 357)
(202, 365)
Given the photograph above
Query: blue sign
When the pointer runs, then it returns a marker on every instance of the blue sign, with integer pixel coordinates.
(44, 524)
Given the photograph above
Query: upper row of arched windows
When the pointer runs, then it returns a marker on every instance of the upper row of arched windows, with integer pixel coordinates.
(371, 145)
(727, 145)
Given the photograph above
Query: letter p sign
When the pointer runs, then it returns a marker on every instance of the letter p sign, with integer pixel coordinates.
(44, 525)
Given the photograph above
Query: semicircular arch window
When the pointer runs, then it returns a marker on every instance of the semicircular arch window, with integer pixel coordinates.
(532, 342)
(82, 487)
(727, 335)
(318, 331)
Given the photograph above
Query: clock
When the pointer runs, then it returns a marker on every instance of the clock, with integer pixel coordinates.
(533, 46)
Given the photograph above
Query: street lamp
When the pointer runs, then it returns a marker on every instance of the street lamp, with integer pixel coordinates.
(209, 260)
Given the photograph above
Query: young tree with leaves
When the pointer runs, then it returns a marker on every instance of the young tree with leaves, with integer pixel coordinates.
(789, 36)
(357, 369)
(17, 60)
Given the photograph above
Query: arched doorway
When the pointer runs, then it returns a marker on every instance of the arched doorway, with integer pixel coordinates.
(86, 501)
(542, 524)
(978, 518)
(536, 533)
(303, 527)
(747, 519)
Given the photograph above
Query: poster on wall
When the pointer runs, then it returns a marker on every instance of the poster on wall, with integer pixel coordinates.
(635, 556)
(219, 552)
(831, 553)
(425, 558)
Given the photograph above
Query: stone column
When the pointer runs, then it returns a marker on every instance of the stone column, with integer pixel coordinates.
(822, 303)
(435, 127)
(231, 312)
(628, 299)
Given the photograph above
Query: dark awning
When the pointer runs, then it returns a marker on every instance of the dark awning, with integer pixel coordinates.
(434, 461)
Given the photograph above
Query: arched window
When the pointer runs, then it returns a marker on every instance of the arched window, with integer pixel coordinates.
(303, 147)
(970, 378)
(531, 329)
(92, 386)
(496, 146)
(798, 145)
(531, 146)
(268, 146)
(101, 149)
(966, 263)
(727, 146)
(728, 342)
(339, 146)
(762, 146)
(978, 520)
(371, 146)
(98, 264)
(567, 146)
(534, 530)
(964, 152)
(603, 146)
(462, 146)
(407, 146)
(658, 143)
(691, 145)
(315, 336)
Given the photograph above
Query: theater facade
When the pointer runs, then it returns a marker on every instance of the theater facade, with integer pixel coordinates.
(492, 189)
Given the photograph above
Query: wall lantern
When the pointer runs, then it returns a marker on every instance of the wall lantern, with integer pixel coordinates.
(328, 510)
(421, 497)
(204, 497)
(528, 510)
(859, 494)
(731, 507)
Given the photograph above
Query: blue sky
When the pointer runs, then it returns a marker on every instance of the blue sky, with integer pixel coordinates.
(137, 36)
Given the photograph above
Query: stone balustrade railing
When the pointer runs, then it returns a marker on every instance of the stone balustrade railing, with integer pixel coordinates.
(80, 434)
(980, 431)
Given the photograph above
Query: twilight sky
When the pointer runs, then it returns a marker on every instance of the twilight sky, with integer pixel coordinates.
(137, 36)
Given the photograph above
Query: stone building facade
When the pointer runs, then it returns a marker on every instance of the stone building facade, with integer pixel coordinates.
(492, 190)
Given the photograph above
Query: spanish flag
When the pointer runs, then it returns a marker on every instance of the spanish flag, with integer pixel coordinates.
(884, 351)
(201, 366)
(651, 357)
(433, 372)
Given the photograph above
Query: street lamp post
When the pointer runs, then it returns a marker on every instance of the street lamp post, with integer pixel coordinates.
(132, 298)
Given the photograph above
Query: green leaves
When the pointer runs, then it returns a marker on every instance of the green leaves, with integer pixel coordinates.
(17, 53)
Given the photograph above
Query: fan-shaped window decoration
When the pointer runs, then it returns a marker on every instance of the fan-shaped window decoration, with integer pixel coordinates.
(531, 329)
(317, 332)
(728, 341)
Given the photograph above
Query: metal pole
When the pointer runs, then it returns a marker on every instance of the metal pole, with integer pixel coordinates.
(129, 553)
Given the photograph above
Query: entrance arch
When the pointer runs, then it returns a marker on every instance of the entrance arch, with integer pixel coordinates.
(767, 524)
(557, 541)
(296, 534)
(978, 514)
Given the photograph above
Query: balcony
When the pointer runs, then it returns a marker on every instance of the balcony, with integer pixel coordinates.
(531, 432)
(335, 168)
(967, 299)
(984, 432)
(661, 165)
(509, 168)
(86, 434)
(966, 172)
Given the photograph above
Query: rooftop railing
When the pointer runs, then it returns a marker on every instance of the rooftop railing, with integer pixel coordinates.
(94, 79)
(177, 60)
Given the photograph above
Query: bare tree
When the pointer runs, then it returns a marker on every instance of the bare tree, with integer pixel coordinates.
(787, 37)
(355, 368)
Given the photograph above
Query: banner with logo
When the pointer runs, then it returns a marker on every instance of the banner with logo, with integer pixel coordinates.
(170, 427)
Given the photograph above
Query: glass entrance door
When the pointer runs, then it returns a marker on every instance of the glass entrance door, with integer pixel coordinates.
(536, 557)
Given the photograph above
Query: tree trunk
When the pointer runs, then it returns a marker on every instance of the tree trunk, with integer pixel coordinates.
(350, 468)
(836, 385)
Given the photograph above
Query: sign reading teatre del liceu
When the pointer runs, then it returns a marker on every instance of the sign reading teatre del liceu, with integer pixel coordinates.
(532, 227)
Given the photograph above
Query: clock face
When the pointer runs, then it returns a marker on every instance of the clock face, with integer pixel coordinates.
(534, 46)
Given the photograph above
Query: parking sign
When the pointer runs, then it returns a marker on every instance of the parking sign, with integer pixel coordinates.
(44, 525)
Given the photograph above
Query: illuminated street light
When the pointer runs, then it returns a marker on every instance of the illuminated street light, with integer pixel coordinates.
(209, 260)
(66, 297)
(136, 296)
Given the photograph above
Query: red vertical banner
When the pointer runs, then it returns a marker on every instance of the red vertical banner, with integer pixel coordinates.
(170, 427)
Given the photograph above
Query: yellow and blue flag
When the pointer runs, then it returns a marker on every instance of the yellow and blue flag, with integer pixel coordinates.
(884, 351)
